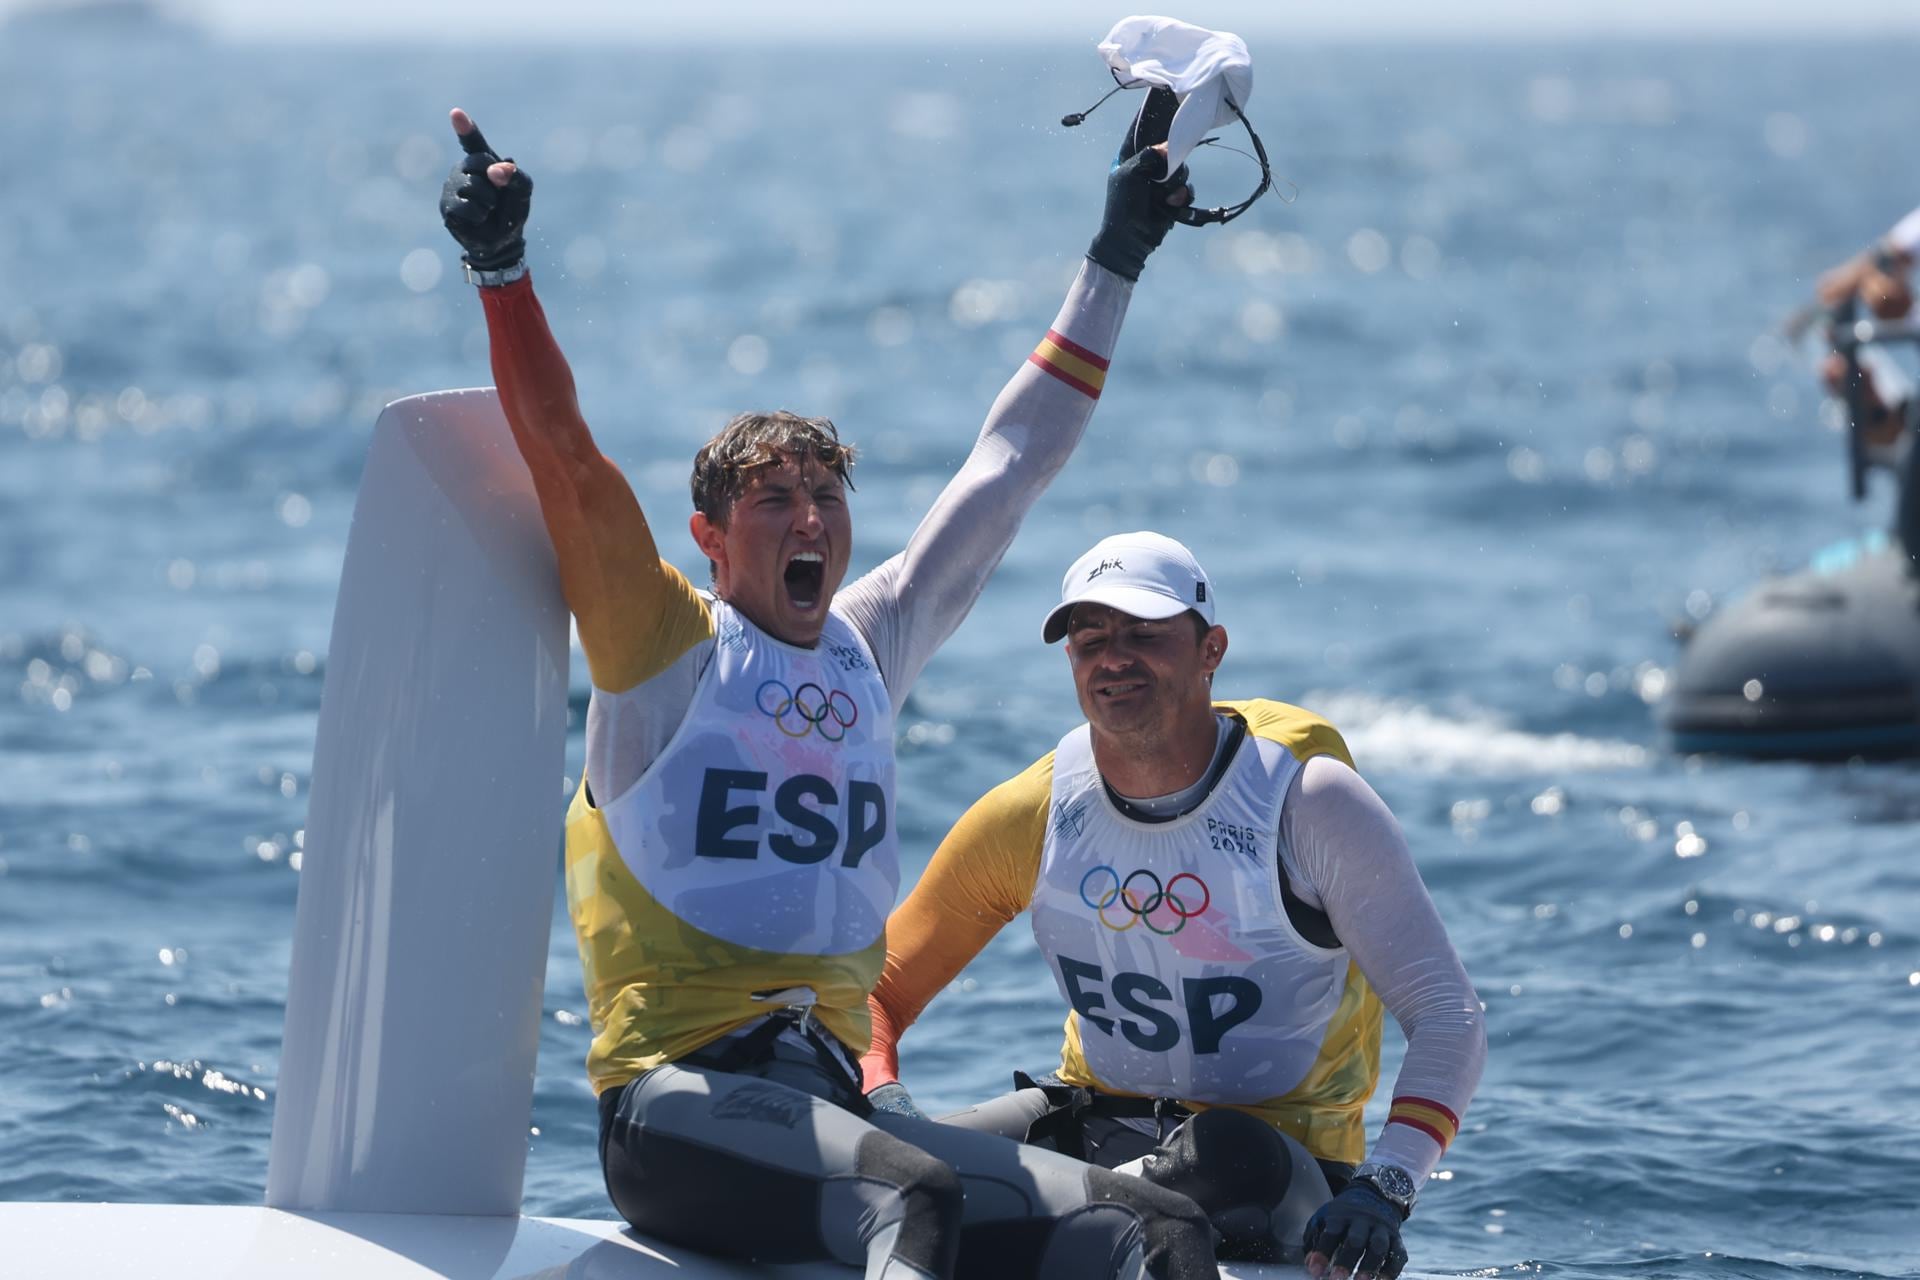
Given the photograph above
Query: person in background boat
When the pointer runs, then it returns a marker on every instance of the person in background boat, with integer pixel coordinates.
(1883, 403)
(731, 852)
(1879, 279)
(1225, 906)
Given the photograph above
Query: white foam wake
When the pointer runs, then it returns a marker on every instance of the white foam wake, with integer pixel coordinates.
(1399, 736)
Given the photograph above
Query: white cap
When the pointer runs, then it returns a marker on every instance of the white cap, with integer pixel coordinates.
(1205, 69)
(1148, 575)
(1905, 236)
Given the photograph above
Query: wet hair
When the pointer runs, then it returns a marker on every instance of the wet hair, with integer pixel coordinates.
(726, 465)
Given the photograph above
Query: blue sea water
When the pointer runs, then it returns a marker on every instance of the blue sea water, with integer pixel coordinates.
(1460, 432)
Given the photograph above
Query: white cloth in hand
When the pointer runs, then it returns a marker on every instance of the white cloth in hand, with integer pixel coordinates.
(1205, 69)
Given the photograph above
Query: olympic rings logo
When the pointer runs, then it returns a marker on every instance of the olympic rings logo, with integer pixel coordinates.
(811, 707)
(1141, 908)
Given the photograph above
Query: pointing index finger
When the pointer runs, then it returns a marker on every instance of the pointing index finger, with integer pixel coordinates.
(472, 141)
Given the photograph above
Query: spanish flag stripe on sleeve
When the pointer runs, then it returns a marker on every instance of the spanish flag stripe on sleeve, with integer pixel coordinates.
(1072, 363)
(1071, 347)
(1426, 1115)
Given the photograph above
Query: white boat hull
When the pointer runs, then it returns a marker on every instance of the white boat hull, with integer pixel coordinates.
(233, 1242)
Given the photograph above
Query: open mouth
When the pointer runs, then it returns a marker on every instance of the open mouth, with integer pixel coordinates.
(805, 575)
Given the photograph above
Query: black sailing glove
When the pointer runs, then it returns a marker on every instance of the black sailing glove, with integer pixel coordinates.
(484, 218)
(1139, 191)
(1359, 1229)
(1138, 213)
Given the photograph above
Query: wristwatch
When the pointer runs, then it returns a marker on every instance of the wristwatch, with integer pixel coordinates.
(1394, 1184)
(494, 279)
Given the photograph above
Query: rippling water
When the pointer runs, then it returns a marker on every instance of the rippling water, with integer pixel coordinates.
(1461, 433)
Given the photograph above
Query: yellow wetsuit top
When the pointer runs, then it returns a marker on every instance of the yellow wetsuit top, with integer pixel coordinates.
(649, 638)
(987, 872)
(1352, 864)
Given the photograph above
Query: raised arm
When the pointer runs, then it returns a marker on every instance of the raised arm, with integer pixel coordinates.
(981, 877)
(630, 606)
(910, 605)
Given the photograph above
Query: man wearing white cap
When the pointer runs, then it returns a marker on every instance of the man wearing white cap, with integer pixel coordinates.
(1225, 906)
(1883, 403)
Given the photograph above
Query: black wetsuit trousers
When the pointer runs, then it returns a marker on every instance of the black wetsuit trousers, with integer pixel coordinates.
(1257, 1186)
(779, 1161)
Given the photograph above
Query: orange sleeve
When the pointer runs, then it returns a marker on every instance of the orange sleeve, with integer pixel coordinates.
(635, 612)
(980, 878)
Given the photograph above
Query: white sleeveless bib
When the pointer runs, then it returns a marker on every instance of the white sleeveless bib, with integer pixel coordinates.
(767, 821)
(1170, 939)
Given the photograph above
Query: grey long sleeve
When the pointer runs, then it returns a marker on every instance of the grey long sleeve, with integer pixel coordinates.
(1345, 854)
(908, 606)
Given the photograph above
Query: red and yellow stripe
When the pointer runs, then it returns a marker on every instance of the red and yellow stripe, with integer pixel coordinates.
(1072, 363)
(1426, 1115)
